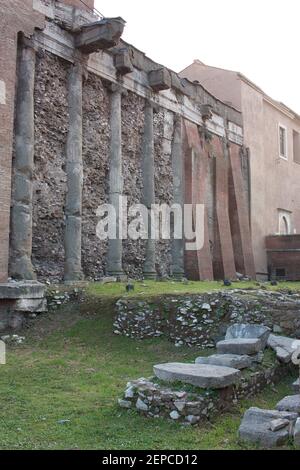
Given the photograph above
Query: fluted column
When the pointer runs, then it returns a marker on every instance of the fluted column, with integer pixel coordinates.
(21, 216)
(115, 250)
(178, 195)
(74, 169)
(149, 270)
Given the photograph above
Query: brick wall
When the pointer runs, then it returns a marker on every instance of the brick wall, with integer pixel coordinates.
(198, 264)
(16, 16)
(284, 257)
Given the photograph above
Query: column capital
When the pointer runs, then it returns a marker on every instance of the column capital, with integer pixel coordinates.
(117, 88)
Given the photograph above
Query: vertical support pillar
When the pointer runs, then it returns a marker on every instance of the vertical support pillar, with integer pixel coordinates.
(21, 216)
(178, 195)
(239, 216)
(149, 270)
(74, 169)
(115, 250)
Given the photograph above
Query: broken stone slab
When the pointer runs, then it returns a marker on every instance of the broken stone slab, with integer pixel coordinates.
(296, 386)
(283, 346)
(22, 290)
(125, 404)
(200, 375)
(289, 403)
(240, 346)
(278, 424)
(31, 305)
(296, 434)
(255, 427)
(248, 331)
(226, 360)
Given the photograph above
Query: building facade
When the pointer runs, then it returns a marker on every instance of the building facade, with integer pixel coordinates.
(94, 119)
(271, 133)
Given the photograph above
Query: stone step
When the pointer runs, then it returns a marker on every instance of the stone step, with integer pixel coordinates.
(290, 403)
(249, 331)
(260, 427)
(239, 346)
(200, 375)
(234, 361)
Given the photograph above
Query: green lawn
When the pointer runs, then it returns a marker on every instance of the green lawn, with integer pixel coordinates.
(152, 288)
(59, 389)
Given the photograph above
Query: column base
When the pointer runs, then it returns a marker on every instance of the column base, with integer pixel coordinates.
(179, 277)
(119, 275)
(150, 276)
(73, 278)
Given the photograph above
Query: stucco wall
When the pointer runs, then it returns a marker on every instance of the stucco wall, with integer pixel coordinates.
(274, 181)
(253, 116)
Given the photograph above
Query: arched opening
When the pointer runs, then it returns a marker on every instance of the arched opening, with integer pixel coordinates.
(284, 226)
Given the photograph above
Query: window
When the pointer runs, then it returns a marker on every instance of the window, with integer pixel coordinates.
(283, 142)
(296, 146)
(280, 273)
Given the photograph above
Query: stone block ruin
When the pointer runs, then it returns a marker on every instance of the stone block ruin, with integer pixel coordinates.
(94, 118)
(190, 393)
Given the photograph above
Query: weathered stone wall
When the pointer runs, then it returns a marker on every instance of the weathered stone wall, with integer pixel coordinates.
(96, 132)
(51, 127)
(190, 405)
(202, 320)
(163, 131)
(132, 134)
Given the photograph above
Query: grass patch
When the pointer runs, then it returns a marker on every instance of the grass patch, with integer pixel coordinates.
(59, 389)
(156, 288)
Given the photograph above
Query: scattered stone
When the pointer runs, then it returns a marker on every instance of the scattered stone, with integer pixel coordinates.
(124, 403)
(289, 403)
(129, 393)
(192, 419)
(13, 339)
(241, 346)
(180, 405)
(206, 307)
(255, 427)
(174, 415)
(277, 329)
(296, 434)
(200, 375)
(278, 424)
(226, 360)
(140, 405)
(283, 346)
(108, 280)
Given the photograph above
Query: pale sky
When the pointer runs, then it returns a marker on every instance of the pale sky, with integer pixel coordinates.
(259, 38)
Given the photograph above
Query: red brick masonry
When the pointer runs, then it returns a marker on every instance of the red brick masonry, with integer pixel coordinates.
(283, 253)
(15, 16)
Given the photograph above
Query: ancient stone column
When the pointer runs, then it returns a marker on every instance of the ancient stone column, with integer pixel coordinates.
(74, 170)
(115, 250)
(149, 270)
(178, 195)
(21, 215)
